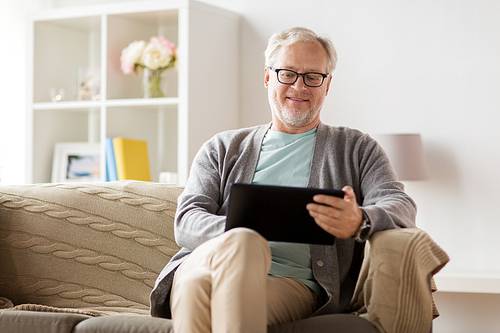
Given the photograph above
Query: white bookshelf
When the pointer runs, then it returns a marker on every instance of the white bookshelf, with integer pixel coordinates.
(202, 93)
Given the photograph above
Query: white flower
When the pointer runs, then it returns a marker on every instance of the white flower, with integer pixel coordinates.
(159, 53)
(131, 55)
(155, 55)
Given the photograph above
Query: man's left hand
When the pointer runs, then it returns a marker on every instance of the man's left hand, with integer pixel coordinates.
(340, 217)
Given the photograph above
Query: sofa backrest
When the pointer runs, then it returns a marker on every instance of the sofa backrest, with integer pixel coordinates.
(93, 245)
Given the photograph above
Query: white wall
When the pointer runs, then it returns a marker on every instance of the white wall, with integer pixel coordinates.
(13, 55)
(12, 87)
(428, 66)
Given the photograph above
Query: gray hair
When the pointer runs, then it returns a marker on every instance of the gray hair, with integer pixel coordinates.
(298, 34)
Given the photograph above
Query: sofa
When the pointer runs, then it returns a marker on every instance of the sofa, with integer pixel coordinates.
(83, 257)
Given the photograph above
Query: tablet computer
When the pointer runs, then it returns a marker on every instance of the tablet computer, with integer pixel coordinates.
(278, 213)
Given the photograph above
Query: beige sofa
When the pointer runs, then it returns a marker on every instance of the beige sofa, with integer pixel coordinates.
(89, 250)
(84, 257)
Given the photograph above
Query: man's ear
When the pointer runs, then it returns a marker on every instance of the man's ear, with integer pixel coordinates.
(266, 77)
(329, 80)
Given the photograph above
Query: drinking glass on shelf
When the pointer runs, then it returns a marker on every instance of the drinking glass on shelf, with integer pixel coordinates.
(56, 95)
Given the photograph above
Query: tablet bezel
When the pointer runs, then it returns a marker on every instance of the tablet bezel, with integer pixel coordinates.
(278, 213)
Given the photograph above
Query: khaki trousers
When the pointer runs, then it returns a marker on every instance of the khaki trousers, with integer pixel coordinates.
(224, 286)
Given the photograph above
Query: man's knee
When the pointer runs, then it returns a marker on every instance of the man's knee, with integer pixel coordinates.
(243, 245)
(244, 237)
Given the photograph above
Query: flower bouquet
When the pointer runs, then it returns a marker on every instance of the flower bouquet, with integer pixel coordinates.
(152, 58)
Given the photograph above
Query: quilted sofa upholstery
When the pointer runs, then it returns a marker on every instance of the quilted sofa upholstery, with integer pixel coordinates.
(83, 257)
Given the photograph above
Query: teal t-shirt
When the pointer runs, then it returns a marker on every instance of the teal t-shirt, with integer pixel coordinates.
(285, 160)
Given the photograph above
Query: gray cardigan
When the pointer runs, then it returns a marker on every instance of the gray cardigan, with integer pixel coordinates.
(342, 156)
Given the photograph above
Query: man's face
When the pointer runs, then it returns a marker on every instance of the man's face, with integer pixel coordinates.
(296, 108)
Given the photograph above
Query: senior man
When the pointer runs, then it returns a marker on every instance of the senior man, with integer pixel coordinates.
(236, 281)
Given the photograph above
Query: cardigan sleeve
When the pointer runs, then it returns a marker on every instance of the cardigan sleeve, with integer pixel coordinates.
(383, 198)
(199, 215)
(345, 156)
(228, 157)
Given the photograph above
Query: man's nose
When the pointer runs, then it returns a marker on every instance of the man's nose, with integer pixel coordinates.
(299, 84)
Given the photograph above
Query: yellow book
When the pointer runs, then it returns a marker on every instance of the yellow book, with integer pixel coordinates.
(131, 157)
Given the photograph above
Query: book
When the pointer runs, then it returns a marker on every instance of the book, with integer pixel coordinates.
(131, 159)
(111, 174)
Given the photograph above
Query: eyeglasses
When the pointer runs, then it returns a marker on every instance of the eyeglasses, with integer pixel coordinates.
(311, 79)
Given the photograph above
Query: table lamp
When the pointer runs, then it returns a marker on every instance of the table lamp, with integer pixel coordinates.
(406, 154)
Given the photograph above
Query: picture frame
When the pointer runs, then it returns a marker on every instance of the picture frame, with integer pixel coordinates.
(76, 162)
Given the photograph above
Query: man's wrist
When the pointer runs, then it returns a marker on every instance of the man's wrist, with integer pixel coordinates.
(364, 229)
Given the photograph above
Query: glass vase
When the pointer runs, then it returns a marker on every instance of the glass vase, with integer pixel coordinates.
(151, 83)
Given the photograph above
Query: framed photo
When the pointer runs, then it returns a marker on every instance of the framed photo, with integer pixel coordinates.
(76, 162)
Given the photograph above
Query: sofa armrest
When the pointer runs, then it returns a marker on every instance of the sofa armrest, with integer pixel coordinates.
(95, 245)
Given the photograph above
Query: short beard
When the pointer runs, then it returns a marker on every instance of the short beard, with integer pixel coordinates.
(295, 119)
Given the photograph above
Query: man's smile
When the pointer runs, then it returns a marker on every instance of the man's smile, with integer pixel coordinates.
(297, 99)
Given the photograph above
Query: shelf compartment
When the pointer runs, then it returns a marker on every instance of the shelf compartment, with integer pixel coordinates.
(155, 124)
(53, 126)
(62, 49)
(126, 28)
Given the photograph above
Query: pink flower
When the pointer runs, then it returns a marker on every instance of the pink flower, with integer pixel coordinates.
(164, 42)
(127, 67)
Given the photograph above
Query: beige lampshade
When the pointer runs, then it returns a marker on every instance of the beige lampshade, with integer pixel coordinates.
(406, 153)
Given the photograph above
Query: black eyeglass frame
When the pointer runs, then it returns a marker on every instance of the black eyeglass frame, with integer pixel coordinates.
(277, 70)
